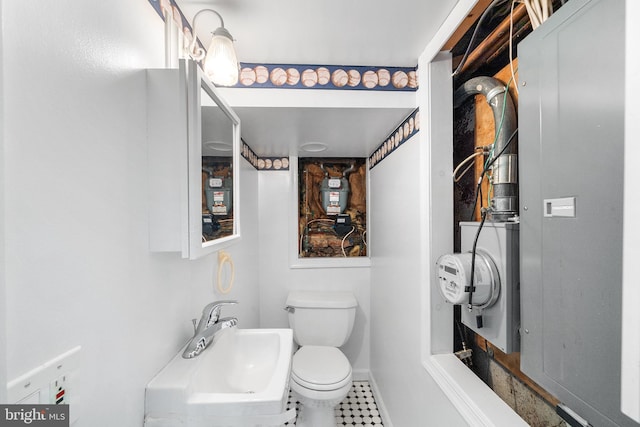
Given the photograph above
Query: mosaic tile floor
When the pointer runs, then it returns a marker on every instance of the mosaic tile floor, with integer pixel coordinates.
(357, 409)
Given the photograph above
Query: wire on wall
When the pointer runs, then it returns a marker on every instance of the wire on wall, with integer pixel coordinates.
(475, 34)
(344, 239)
(473, 269)
(539, 11)
(469, 159)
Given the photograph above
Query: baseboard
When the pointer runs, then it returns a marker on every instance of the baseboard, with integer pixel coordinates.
(360, 375)
(379, 402)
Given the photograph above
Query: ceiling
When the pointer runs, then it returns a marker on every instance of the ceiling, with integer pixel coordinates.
(347, 132)
(331, 32)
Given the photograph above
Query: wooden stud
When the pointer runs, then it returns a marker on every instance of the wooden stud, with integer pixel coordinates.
(467, 23)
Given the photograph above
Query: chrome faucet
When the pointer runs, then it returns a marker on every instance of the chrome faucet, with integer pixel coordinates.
(209, 325)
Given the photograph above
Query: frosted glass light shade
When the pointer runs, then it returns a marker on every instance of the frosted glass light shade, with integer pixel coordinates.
(221, 62)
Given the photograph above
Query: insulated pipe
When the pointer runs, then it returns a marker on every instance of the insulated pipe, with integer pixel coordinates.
(505, 169)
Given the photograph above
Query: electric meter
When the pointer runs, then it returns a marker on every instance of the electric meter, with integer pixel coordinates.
(454, 274)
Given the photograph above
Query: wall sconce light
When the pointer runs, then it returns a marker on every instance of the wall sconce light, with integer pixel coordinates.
(220, 63)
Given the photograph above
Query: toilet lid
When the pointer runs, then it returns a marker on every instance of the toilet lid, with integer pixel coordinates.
(320, 368)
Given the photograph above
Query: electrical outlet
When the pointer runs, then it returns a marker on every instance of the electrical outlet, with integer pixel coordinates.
(58, 393)
(53, 381)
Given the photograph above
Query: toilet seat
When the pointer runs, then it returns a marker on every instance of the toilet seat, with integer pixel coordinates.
(320, 368)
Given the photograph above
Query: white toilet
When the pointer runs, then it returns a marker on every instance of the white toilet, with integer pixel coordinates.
(320, 372)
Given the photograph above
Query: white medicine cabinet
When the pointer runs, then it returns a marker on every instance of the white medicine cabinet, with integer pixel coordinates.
(193, 158)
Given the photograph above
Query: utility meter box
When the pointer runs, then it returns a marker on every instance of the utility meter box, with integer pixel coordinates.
(218, 191)
(335, 195)
(500, 321)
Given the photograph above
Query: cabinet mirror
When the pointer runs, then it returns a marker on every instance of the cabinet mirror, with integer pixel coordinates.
(214, 141)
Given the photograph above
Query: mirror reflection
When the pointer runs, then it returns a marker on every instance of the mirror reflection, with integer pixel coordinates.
(217, 171)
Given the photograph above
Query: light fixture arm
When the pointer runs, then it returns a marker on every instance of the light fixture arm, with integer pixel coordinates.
(220, 63)
(195, 51)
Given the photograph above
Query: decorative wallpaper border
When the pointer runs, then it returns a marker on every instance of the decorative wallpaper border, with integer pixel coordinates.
(301, 76)
(409, 127)
(328, 77)
(160, 6)
(264, 163)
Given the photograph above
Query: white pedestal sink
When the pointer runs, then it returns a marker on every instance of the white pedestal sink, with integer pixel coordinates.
(242, 379)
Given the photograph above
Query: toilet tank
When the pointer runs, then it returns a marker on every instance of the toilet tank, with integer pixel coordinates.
(321, 318)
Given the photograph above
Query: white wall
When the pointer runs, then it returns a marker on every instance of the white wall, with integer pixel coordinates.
(410, 395)
(630, 378)
(3, 308)
(78, 269)
(277, 227)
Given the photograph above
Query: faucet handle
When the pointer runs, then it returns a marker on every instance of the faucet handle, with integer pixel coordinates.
(211, 312)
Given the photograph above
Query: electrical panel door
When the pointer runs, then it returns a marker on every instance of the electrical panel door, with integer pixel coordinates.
(571, 110)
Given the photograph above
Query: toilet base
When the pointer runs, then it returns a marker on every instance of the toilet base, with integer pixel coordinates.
(309, 416)
(317, 408)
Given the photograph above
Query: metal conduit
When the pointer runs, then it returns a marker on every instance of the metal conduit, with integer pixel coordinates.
(504, 205)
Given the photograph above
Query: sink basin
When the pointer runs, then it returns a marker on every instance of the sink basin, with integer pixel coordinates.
(241, 379)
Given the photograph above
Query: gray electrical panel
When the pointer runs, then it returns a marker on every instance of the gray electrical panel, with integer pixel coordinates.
(571, 142)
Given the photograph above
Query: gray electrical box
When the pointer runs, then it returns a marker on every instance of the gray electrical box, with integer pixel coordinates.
(500, 321)
(571, 141)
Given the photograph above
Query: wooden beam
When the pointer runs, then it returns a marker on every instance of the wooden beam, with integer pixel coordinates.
(498, 38)
(467, 23)
(518, 34)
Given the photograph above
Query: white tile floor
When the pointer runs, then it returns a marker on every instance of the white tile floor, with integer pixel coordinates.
(357, 409)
